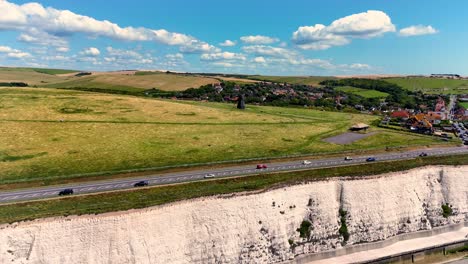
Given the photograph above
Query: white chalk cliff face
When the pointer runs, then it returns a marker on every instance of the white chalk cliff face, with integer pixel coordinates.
(250, 228)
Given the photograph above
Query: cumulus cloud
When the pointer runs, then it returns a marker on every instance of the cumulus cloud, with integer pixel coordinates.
(269, 51)
(227, 43)
(61, 23)
(259, 60)
(258, 39)
(417, 30)
(340, 32)
(222, 56)
(14, 53)
(90, 52)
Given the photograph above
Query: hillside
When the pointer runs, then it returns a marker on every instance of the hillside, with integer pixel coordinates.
(431, 85)
(268, 227)
(52, 133)
(118, 81)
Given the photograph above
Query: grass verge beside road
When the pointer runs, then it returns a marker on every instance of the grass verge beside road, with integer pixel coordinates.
(125, 200)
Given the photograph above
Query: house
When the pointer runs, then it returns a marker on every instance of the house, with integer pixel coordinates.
(359, 127)
(440, 105)
(400, 115)
(419, 123)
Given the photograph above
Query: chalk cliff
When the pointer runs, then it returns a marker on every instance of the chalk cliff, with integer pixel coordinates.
(249, 228)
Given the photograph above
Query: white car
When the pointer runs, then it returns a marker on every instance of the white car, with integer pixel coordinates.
(211, 175)
(306, 162)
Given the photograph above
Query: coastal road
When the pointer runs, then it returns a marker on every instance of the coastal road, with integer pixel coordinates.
(226, 172)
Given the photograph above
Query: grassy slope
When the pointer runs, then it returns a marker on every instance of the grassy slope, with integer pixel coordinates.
(30, 76)
(124, 200)
(362, 92)
(111, 81)
(103, 132)
(162, 81)
(432, 85)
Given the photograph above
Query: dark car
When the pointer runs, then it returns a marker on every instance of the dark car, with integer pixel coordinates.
(66, 192)
(141, 184)
(423, 154)
(262, 166)
(370, 159)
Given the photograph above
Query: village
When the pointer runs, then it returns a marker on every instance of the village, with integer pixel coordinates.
(442, 121)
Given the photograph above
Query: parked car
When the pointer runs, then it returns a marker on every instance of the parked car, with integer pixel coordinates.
(348, 158)
(370, 159)
(262, 166)
(66, 192)
(306, 162)
(423, 154)
(141, 184)
(209, 175)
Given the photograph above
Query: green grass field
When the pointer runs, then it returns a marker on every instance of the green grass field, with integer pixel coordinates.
(464, 104)
(50, 134)
(362, 92)
(125, 200)
(432, 85)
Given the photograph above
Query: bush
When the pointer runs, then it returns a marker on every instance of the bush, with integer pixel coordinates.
(446, 210)
(343, 229)
(304, 230)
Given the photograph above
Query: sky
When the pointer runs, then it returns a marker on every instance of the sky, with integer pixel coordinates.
(294, 37)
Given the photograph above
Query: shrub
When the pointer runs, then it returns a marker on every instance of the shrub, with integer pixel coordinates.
(304, 230)
(446, 210)
(343, 228)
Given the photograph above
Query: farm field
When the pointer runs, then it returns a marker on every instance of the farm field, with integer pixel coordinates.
(431, 85)
(50, 134)
(362, 92)
(39, 77)
(162, 81)
(119, 81)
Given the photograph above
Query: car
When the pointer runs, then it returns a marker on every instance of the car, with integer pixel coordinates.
(423, 154)
(141, 184)
(209, 175)
(370, 159)
(262, 166)
(66, 192)
(306, 162)
(348, 158)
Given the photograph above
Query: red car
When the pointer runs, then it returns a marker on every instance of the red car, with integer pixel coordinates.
(262, 166)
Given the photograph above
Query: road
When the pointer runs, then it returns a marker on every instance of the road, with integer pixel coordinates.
(197, 175)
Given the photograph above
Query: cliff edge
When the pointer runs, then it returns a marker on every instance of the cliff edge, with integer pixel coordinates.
(267, 227)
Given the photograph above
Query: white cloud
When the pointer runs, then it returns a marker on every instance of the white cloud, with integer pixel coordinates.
(227, 43)
(18, 55)
(222, 56)
(224, 64)
(62, 49)
(177, 56)
(258, 39)
(33, 17)
(340, 32)
(269, 51)
(5, 49)
(259, 60)
(14, 53)
(417, 30)
(90, 52)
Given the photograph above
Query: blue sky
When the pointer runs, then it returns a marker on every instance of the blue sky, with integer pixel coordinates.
(295, 37)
